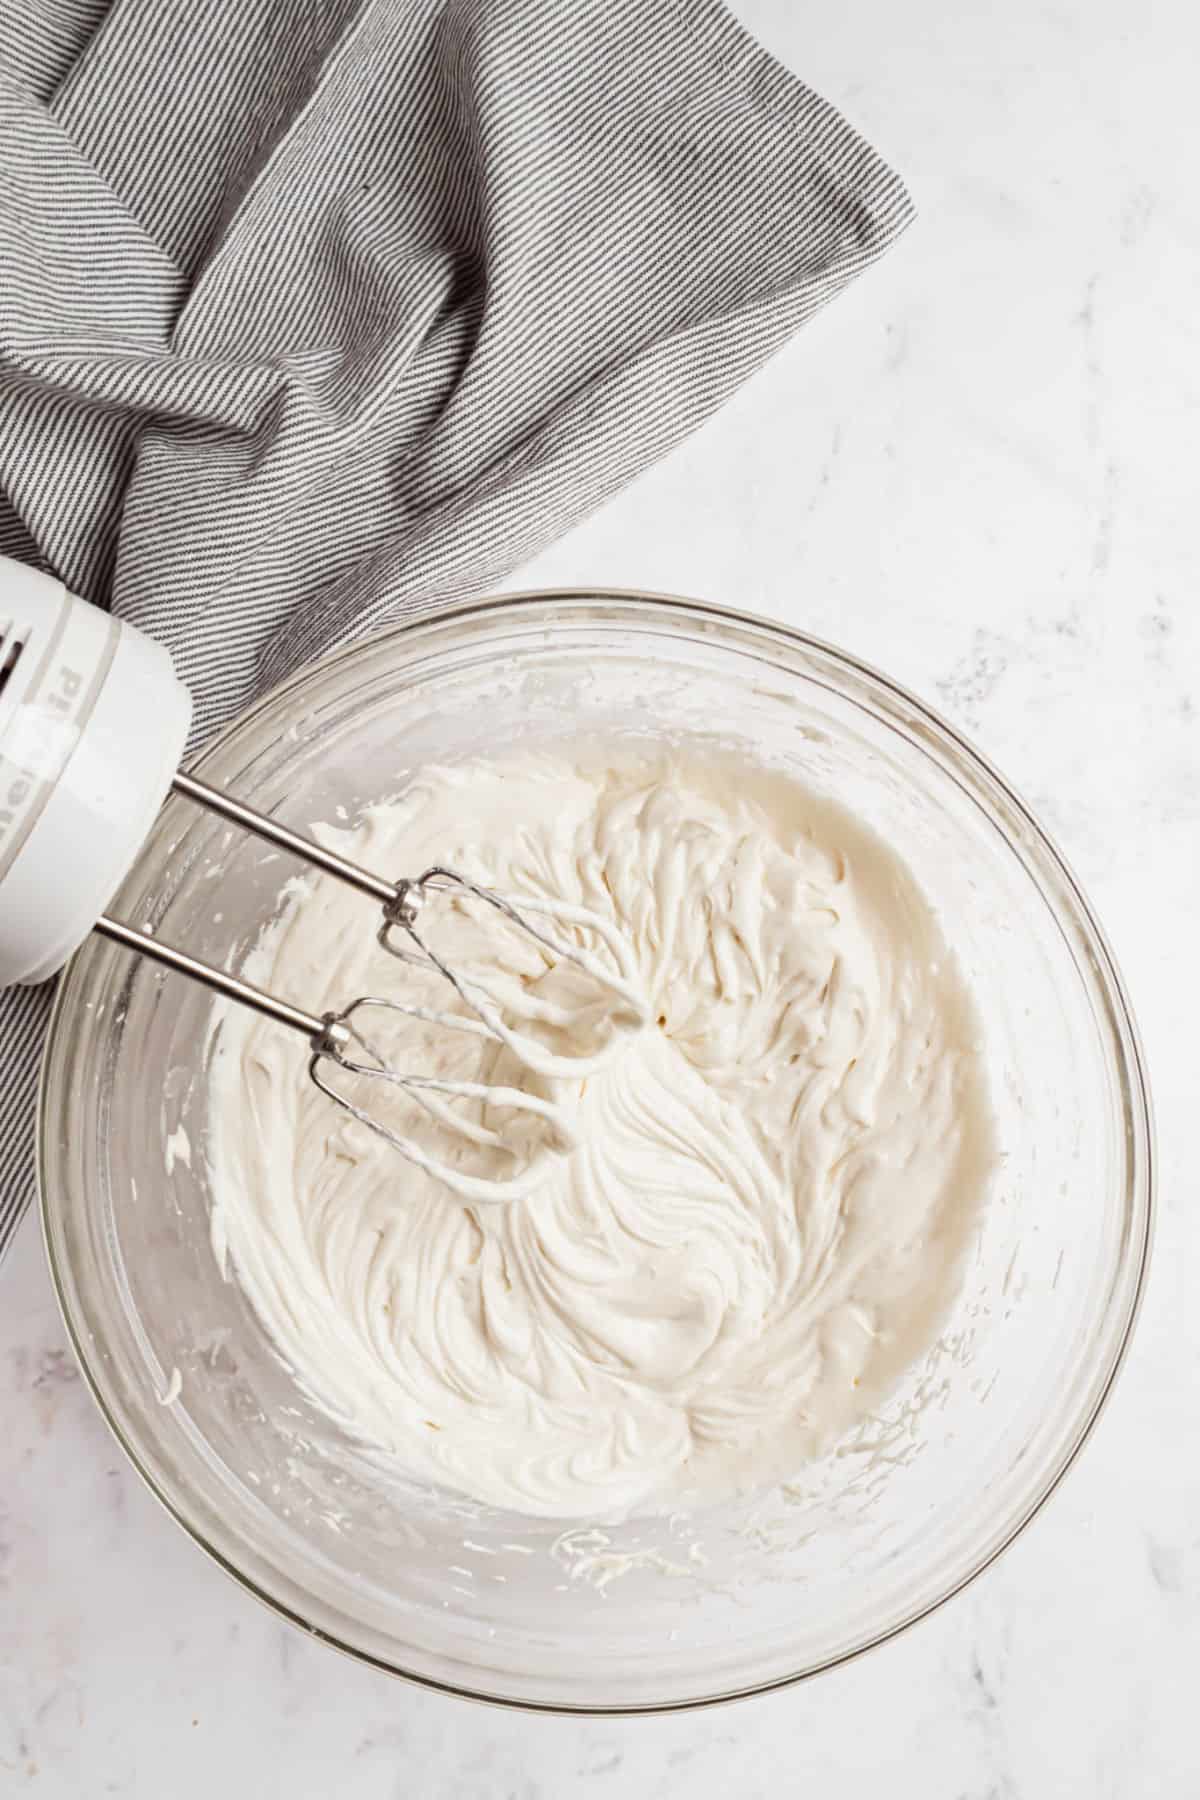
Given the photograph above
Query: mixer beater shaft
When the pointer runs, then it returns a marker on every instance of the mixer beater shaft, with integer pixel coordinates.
(336, 1038)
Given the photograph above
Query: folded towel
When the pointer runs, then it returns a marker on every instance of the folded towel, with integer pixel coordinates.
(313, 315)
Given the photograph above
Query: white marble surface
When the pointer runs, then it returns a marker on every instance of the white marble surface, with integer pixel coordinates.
(977, 470)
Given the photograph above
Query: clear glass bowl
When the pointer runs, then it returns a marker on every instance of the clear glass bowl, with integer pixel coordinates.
(659, 1613)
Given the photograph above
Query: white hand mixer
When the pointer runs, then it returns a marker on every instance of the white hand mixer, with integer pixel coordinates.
(93, 721)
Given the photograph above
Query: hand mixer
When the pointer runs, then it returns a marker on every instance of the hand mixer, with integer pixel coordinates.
(93, 721)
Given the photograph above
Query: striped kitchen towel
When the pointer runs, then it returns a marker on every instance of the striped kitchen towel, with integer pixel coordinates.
(315, 312)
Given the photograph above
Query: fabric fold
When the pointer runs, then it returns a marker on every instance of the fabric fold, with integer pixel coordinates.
(313, 316)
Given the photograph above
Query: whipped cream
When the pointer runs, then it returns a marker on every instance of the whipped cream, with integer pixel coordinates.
(759, 1218)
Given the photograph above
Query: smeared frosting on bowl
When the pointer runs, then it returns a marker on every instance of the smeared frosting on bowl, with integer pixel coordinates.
(762, 1221)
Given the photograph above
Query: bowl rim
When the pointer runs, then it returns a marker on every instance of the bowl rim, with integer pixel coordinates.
(1142, 1184)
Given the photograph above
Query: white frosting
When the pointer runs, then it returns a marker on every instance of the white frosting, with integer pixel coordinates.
(763, 1218)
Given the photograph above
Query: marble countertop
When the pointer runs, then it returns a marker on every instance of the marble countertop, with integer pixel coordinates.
(978, 471)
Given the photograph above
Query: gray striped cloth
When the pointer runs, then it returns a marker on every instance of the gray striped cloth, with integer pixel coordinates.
(314, 312)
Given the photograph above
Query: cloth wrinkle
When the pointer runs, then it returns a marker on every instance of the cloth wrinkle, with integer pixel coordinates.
(312, 318)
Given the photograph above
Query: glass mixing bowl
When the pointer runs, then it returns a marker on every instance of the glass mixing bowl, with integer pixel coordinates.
(665, 1612)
